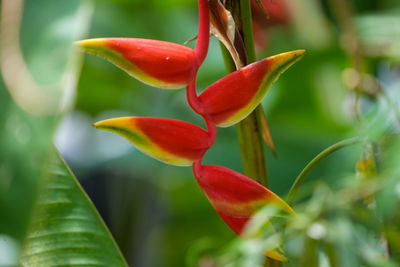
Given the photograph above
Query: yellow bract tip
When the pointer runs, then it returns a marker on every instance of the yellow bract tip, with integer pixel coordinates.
(91, 42)
(288, 58)
(118, 123)
(277, 255)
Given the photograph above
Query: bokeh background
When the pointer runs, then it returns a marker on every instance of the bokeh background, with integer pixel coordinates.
(157, 213)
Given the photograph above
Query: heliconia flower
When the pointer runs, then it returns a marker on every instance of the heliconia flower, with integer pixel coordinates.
(235, 96)
(236, 197)
(171, 141)
(157, 63)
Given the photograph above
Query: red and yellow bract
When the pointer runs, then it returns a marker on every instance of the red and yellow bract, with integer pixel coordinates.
(234, 97)
(236, 197)
(157, 63)
(171, 141)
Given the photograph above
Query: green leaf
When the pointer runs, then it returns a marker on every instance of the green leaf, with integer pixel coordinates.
(66, 228)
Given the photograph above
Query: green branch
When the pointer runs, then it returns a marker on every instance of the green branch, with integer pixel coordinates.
(313, 163)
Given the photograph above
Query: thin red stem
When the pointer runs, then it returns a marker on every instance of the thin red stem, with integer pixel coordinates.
(201, 53)
(212, 130)
(196, 167)
(201, 50)
(193, 99)
(204, 32)
(197, 107)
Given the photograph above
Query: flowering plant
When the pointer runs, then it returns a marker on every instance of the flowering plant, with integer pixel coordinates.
(348, 215)
(228, 101)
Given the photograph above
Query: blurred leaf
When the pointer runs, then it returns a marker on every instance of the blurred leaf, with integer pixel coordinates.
(366, 166)
(310, 253)
(24, 142)
(53, 35)
(380, 34)
(306, 13)
(66, 228)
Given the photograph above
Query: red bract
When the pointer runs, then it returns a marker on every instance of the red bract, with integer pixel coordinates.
(171, 141)
(235, 96)
(235, 196)
(157, 63)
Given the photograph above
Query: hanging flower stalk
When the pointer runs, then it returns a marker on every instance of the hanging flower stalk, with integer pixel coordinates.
(166, 65)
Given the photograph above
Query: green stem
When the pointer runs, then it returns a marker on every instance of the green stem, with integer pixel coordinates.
(313, 163)
(247, 30)
(250, 130)
(252, 148)
(332, 255)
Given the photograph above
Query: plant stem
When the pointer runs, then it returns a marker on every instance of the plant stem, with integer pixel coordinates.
(247, 30)
(313, 163)
(249, 130)
(252, 148)
(203, 33)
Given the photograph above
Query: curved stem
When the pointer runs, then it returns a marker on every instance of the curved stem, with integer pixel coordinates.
(197, 107)
(193, 99)
(204, 32)
(313, 163)
(212, 130)
(201, 53)
(196, 168)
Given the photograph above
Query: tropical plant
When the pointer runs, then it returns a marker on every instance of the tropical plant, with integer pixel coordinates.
(228, 101)
(346, 215)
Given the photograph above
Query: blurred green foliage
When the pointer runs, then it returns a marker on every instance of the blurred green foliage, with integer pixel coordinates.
(156, 212)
